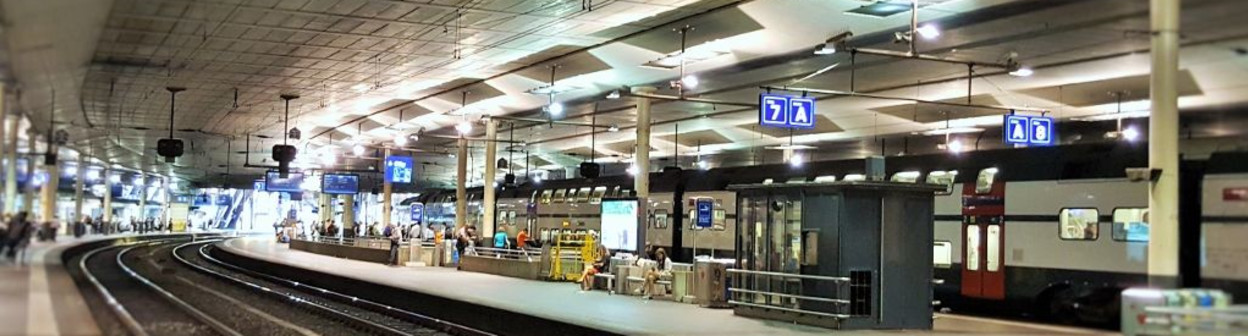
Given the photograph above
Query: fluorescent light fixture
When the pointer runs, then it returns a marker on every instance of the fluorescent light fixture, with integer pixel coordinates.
(788, 147)
(1022, 72)
(689, 82)
(796, 160)
(553, 89)
(1115, 116)
(613, 128)
(615, 94)
(463, 127)
(951, 130)
(928, 31)
(400, 140)
(825, 49)
(954, 146)
(358, 150)
(690, 56)
(881, 9)
(550, 167)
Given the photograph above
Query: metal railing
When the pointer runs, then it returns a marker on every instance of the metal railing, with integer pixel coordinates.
(782, 291)
(525, 254)
(1230, 320)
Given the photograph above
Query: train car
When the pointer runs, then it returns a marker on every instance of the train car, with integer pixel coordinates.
(1224, 217)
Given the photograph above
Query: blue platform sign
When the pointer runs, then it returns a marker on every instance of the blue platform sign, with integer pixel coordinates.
(1024, 130)
(773, 110)
(802, 112)
(704, 213)
(417, 212)
(399, 169)
(258, 185)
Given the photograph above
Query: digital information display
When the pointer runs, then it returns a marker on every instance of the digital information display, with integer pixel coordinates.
(333, 183)
(619, 225)
(274, 182)
(399, 169)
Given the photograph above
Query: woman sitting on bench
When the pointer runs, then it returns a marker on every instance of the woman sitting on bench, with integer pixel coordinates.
(601, 256)
(662, 270)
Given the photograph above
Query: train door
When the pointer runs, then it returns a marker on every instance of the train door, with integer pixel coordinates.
(983, 237)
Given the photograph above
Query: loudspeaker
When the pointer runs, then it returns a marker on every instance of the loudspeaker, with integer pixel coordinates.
(169, 148)
(590, 169)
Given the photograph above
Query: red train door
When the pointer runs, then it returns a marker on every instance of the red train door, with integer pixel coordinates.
(983, 237)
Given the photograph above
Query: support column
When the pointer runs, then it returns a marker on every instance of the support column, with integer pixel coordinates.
(108, 197)
(488, 224)
(641, 182)
(461, 179)
(348, 212)
(327, 208)
(28, 195)
(142, 185)
(47, 198)
(386, 190)
(1163, 146)
(10, 168)
(80, 185)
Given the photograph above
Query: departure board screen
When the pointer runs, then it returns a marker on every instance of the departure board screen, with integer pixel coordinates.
(274, 182)
(334, 183)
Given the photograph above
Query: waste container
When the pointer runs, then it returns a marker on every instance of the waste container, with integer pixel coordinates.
(711, 284)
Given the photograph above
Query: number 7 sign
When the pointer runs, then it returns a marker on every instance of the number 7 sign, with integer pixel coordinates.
(773, 110)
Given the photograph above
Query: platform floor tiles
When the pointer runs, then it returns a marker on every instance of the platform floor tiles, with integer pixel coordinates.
(615, 313)
(38, 297)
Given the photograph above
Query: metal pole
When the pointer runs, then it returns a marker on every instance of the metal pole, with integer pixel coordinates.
(461, 180)
(386, 190)
(488, 224)
(1163, 146)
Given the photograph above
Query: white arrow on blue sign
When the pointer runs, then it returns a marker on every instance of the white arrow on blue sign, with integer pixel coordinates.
(773, 110)
(802, 112)
(1017, 129)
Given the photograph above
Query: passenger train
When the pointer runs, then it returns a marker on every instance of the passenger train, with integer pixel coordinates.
(1056, 231)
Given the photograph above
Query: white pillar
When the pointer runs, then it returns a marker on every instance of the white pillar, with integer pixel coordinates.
(108, 196)
(80, 185)
(10, 169)
(348, 212)
(1163, 146)
(47, 199)
(461, 180)
(28, 195)
(488, 224)
(142, 185)
(641, 182)
(386, 205)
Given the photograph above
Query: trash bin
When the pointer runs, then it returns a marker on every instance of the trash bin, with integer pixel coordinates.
(711, 284)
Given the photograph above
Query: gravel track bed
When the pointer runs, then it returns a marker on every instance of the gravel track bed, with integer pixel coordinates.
(156, 315)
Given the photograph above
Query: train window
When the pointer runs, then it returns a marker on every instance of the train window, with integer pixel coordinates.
(660, 219)
(825, 178)
(546, 196)
(983, 184)
(1130, 225)
(533, 198)
(558, 198)
(717, 220)
(596, 198)
(942, 254)
(944, 178)
(582, 195)
(972, 249)
(768, 181)
(994, 248)
(796, 180)
(1078, 223)
(905, 177)
(571, 196)
(855, 177)
(614, 192)
(625, 193)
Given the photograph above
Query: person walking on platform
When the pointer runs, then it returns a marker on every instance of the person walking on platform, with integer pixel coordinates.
(396, 236)
(18, 236)
(522, 238)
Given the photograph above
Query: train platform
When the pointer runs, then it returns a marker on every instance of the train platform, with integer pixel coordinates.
(597, 310)
(39, 296)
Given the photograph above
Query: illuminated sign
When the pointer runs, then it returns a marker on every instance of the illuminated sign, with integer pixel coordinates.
(785, 111)
(399, 169)
(1024, 130)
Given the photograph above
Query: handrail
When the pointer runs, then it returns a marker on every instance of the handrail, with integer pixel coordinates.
(791, 310)
(799, 297)
(789, 275)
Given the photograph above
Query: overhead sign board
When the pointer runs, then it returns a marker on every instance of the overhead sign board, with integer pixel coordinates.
(705, 207)
(399, 169)
(1025, 130)
(786, 111)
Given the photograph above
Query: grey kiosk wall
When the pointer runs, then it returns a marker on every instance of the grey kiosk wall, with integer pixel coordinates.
(863, 251)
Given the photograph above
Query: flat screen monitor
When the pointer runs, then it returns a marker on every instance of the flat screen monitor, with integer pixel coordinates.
(619, 224)
(399, 169)
(335, 183)
(274, 182)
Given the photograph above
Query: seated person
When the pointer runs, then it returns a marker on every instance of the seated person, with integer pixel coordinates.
(602, 256)
(662, 270)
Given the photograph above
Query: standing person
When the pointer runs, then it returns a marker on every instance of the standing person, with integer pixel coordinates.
(522, 237)
(19, 234)
(396, 236)
(414, 233)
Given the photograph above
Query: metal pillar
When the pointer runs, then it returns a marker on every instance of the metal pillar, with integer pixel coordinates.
(641, 182)
(108, 197)
(461, 180)
(47, 198)
(386, 205)
(488, 224)
(1163, 146)
(80, 185)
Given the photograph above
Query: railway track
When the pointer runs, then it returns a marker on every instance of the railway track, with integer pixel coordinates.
(199, 295)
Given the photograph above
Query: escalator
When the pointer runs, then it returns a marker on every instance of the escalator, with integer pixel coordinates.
(235, 210)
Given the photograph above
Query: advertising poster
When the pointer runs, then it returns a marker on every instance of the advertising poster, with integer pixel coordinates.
(619, 225)
(178, 212)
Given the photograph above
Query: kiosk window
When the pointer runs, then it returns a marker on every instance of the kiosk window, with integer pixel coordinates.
(596, 198)
(1130, 225)
(983, 184)
(944, 178)
(905, 177)
(1078, 223)
(558, 196)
